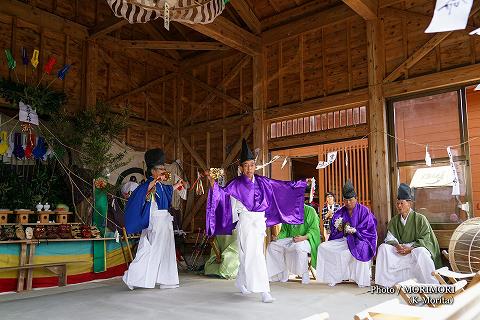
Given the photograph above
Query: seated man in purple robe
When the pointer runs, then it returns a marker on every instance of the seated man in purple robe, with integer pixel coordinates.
(251, 203)
(352, 243)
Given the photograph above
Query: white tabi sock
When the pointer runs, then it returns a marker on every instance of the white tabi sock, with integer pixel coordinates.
(244, 290)
(305, 278)
(267, 297)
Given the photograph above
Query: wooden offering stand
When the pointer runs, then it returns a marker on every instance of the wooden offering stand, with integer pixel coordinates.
(4, 215)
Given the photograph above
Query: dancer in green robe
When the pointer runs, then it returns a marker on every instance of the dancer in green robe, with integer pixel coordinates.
(227, 267)
(289, 253)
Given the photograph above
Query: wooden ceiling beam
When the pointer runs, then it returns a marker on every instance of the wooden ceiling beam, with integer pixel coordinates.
(225, 81)
(436, 81)
(194, 154)
(219, 124)
(318, 137)
(41, 18)
(247, 15)
(305, 24)
(144, 87)
(172, 45)
(293, 14)
(208, 57)
(105, 27)
(159, 60)
(367, 9)
(230, 34)
(157, 35)
(233, 101)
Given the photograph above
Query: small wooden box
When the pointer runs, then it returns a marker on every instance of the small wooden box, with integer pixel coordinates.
(22, 216)
(62, 216)
(44, 216)
(4, 215)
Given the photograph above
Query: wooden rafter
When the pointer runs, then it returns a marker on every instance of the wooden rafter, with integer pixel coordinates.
(194, 154)
(105, 27)
(422, 52)
(156, 34)
(212, 125)
(225, 81)
(230, 34)
(192, 213)
(247, 15)
(305, 24)
(119, 70)
(172, 45)
(367, 9)
(274, 6)
(238, 145)
(293, 14)
(207, 57)
(233, 101)
(144, 87)
(150, 56)
(43, 19)
(445, 79)
(319, 137)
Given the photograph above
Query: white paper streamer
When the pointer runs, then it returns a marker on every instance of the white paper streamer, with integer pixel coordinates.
(275, 158)
(117, 236)
(284, 162)
(450, 15)
(331, 157)
(27, 114)
(346, 157)
(477, 88)
(428, 159)
(312, 190)
(456, 183)
(166, 16)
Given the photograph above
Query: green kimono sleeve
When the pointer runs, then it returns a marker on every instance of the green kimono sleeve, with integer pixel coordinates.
(313, 232)
(426, 238)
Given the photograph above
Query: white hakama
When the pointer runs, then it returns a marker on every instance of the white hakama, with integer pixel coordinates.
(252, 272)
(285, 256)
(335, 264)
(155, 261)
(392, 268)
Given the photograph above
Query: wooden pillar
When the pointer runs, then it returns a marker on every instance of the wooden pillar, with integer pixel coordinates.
(379, 174)
(259, 106)
(91, 74)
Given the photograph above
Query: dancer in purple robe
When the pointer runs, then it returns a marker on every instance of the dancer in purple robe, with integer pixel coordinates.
(251, 203)
(352, 243)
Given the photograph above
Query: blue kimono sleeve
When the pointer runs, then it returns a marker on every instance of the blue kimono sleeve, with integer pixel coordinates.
(137, 210)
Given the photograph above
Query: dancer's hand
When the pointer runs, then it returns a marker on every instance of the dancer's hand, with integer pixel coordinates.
(209, 177)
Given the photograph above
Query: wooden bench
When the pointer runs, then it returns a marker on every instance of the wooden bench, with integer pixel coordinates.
(57, 268)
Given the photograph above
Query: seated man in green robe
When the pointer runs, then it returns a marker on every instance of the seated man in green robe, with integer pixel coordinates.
(410, 250)
(227, 267)
(289, 253)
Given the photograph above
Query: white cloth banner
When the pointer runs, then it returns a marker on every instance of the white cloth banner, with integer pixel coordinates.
(331, 157)
(450, 15)
(27, 114)
(456, 183)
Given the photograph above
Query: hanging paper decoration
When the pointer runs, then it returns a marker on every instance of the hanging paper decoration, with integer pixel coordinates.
(30, 145)
(10, 60)
(27, 114)
(185, 11)
(312, 190)
(284, 162)
(275, 158)
(199, 185)
(331, 157)
(456, 182)
(3, 142)
(346, 157)
(18, 151)
(34, 59)
(428, 159)
(40, 149)
(181, 190)
(47, 68)
(63, 72)
(450, 15)
(25, 63)
(11, 144)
